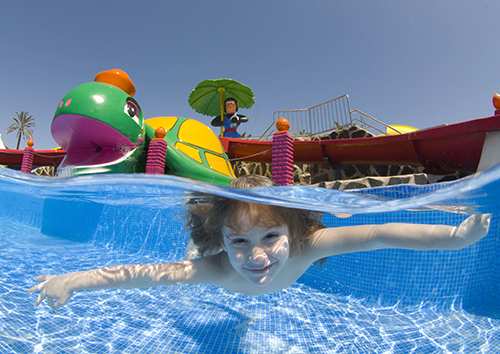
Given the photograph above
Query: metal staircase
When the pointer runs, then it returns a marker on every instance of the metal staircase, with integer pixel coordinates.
(333, 115)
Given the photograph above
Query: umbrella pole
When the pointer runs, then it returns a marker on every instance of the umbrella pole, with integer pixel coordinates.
(221, 90)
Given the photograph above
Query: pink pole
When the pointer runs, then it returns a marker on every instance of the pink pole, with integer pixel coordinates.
(282, 160)
(156, 153)
(28, 155)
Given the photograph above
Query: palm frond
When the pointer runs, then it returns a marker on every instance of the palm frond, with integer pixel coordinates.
(12, 128)
(16, 121)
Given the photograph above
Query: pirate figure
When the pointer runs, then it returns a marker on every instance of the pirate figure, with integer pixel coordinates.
(231, 119)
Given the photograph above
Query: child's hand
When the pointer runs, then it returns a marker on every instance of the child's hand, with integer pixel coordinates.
(472, 229)
(54, 287)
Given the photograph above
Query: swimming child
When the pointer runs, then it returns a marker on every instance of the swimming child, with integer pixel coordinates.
(254, 249)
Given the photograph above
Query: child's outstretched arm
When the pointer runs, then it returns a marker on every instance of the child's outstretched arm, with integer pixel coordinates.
(59, 288)
(331, 241)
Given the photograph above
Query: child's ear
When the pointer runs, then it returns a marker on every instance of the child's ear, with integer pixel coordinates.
(223, 246)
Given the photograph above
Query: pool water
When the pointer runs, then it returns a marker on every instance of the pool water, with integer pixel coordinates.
(387, 301)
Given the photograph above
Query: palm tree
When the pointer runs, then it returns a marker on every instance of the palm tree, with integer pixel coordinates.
(24, 124)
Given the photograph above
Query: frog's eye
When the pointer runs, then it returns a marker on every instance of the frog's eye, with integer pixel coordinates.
(131, 109)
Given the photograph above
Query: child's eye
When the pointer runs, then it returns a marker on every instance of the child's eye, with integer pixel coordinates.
(238, 240)
(271, 235)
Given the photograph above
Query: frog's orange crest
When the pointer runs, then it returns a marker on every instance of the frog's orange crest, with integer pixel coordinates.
(118, 78)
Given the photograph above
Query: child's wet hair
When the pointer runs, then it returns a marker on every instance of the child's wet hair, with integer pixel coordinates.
(208, 214)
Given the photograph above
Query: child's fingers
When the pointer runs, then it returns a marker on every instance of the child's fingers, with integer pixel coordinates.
(483, 220)
(35, 288)
(61, 301)
(41, 285)
(486, 218)
(50, 302)
(42, 296)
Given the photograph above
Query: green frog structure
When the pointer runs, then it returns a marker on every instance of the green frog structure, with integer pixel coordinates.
(102, 129)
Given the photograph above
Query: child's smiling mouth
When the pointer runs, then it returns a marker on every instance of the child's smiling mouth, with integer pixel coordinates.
(260, 270)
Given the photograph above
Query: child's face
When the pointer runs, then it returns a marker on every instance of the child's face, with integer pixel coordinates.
(258, 254)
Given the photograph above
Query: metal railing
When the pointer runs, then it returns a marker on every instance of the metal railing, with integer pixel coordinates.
(373, 125)
(326, 117)
(321, 118)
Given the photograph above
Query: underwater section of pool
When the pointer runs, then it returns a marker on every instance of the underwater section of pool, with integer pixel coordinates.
(387, 301)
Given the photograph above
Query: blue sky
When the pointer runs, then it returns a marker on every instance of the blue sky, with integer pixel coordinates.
(419, 63)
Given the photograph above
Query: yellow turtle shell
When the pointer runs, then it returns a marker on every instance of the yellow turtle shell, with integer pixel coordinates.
(193, 151)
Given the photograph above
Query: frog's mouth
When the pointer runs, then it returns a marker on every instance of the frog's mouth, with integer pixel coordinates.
(89, 142)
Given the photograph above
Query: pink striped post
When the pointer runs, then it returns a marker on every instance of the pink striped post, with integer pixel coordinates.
(282, 160)
(28, 155)
(156, 154)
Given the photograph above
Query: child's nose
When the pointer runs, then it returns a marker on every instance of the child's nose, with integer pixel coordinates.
(258, 254)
